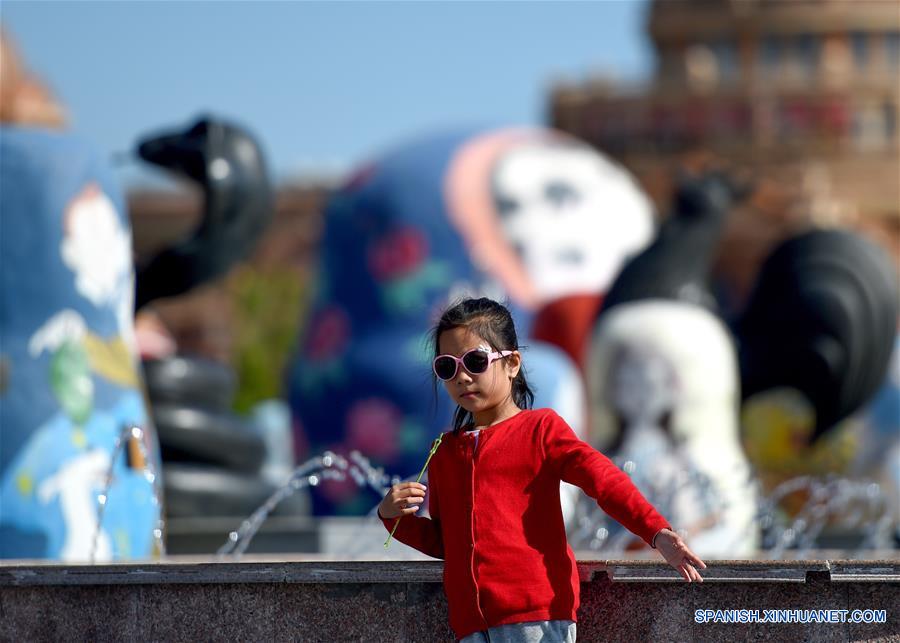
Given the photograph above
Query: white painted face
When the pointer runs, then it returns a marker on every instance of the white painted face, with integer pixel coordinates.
(572, 216)
(643, 387)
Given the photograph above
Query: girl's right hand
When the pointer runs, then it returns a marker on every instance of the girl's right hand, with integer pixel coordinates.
(403, 499)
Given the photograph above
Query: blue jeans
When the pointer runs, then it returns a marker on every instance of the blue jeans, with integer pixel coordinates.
(530, 632)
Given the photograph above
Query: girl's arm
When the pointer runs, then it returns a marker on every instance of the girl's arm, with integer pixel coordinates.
(402, 501)
(580, 464)
(576, 462)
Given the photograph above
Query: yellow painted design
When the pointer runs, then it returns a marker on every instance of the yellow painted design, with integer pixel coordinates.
(112, 360)
(25, 483)
(79, 437)
(777, 426)
(123, 544)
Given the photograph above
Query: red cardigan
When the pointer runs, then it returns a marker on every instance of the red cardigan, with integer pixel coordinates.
(496, 519)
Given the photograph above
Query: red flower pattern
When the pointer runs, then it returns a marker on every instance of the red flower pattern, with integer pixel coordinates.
(398, 254)
(373, 427)
(329, 334)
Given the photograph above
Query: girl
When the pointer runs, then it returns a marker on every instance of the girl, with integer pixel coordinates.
(509, 573)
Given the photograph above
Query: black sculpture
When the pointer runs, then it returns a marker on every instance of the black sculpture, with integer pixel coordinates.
(228, 164)
(822, 320)
(212, 457)
(677, 264)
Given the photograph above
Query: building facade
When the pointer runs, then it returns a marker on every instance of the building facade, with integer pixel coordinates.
(804, 93)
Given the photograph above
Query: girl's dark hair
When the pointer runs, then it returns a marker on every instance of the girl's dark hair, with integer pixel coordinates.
(492, 321)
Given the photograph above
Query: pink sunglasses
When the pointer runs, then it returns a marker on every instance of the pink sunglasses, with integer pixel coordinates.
(475, 361)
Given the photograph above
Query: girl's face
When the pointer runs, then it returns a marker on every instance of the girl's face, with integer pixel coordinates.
(485, 392)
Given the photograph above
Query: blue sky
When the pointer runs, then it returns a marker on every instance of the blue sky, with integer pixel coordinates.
(323, 85)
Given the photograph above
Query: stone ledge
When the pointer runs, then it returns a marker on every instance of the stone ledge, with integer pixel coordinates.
(261, 570)
(326, 600)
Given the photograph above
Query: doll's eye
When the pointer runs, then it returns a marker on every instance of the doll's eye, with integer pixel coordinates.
(561, 195)
(506, 206)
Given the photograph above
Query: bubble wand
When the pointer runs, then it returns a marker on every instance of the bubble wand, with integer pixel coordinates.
(434, 448)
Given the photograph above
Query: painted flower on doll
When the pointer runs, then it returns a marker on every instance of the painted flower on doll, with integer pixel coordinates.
(329, 335)
(372, 428)
(397, 255)
(326, 345)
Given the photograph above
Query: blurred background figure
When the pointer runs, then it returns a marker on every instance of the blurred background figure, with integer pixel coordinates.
(74, 487)
(70, 387)
(663, 377)
(527, 216)
(216, 462)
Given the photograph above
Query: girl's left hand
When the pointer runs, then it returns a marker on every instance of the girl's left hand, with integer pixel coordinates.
(679, 555)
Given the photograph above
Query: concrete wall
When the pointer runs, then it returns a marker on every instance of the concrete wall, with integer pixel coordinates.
(311, 600)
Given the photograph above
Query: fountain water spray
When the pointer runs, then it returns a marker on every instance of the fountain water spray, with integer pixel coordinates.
(590, 527)
(328, 466)
(860, 505)
(832, 501)
(134, 435)
(847, 503)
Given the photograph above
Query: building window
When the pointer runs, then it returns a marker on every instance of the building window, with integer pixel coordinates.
(892, 49)
(726, 60)
(770, 54)
(806, 49)
(872, 127)
(859, 45)
(890, 120)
